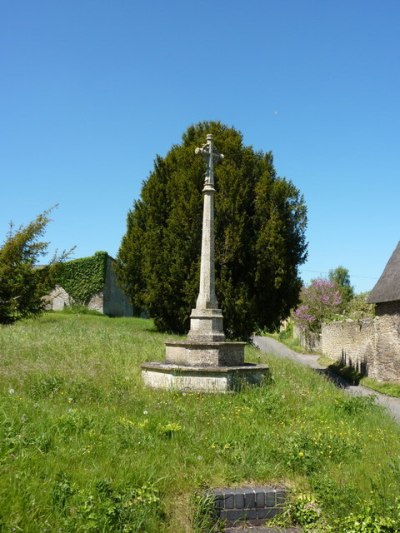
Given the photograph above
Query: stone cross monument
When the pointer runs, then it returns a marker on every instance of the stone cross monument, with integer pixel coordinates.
(204, 361)
(206, 319)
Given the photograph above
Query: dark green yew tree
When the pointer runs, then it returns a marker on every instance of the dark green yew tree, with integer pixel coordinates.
(260, 222)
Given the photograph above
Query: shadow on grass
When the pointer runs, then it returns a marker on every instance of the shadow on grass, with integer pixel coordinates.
(342, 376)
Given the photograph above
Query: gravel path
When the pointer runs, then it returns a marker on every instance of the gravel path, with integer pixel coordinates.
(268, 345)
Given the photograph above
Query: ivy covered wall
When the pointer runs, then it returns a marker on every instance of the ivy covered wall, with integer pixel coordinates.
(82, 278)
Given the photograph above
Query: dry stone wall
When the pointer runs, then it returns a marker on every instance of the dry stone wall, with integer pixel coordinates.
(387, 359)
(351, 342)
(372, 346)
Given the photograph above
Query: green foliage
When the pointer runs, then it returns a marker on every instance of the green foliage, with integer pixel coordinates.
(79, 309)
(285, 336)
(354, 405)
(22, 283)
(341, 277)
(104, 507)
(369, 521)
(319, 302)
(358, 307)
(391, 389)
(303, 511)
(260, 220)
(82, 278)
(205, 519)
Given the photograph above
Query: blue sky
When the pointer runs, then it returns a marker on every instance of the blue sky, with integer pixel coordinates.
(92, 90)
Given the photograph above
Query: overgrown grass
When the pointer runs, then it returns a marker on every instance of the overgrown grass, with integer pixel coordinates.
(286, 338)
(86, 447)
(391, 389)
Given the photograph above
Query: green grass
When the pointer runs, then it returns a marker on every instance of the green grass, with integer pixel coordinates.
(391, 389)
(355, 377)
(291, 342)
(86, 447)
(347, 372)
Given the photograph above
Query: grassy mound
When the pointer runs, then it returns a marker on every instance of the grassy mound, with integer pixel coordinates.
(85, 447)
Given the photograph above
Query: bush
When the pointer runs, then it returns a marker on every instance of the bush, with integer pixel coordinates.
(22, 283)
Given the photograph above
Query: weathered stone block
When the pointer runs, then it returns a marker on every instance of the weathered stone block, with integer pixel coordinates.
(202, 379)
(260, 498)
(250, 498)
(206, 325)
(192, 353)
(239, 499)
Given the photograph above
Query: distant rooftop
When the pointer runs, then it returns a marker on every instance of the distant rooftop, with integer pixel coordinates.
(387, 288)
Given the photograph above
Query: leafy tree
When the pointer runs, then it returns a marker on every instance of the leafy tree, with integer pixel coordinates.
(341, 277)
(359, 308)
(22, 283)
(320, 302)
(260, 222)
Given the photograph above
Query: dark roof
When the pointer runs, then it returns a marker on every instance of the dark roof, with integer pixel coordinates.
(387, 288)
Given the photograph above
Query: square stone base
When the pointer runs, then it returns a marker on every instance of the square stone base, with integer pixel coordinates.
(191, 353)
(202, 379)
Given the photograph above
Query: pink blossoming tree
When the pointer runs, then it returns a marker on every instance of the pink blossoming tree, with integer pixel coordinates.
(320, 302)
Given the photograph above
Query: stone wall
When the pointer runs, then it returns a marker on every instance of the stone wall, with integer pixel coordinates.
(350, 341)
(115, 301)
(372, 345)
(111, 301)
(387, 359)
(57, 299)
(96, 302)
(310, 341)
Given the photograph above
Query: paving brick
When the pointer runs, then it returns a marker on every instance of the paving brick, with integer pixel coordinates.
(251, 514)
(219, 501)
(270, 498)
(270, 512)
(280, 497)
(250, 498)
(239, 499)
(234, 515)
(247, 504)
(229, 501)
(260, 498)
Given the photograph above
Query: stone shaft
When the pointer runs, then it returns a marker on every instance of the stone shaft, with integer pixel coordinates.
(207, 298)
(206, 320)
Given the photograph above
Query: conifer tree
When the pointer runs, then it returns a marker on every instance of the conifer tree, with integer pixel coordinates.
(260, 222)
(22, 283)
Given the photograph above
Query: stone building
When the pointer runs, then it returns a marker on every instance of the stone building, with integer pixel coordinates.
(107, 296)
(371, 345)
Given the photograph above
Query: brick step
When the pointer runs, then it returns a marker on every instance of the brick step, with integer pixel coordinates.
(251, 506)
(255, 529)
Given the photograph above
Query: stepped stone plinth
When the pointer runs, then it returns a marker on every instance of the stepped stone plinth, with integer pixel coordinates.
(205, 361)
(197, 353)
(202, 378)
